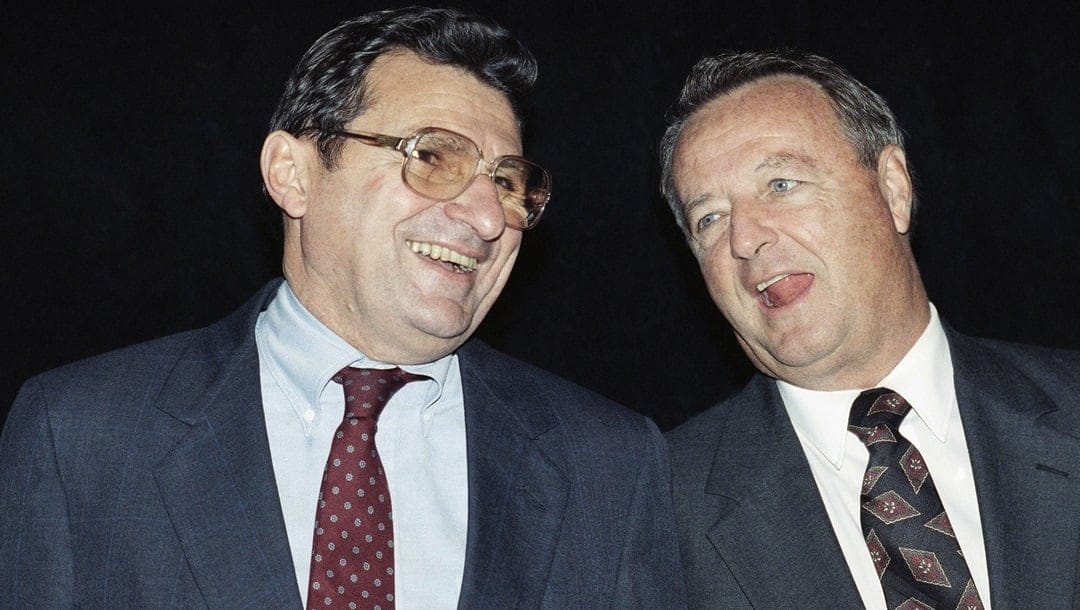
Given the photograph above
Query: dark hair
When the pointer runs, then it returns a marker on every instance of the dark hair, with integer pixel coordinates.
(326, 89)
(863, 115)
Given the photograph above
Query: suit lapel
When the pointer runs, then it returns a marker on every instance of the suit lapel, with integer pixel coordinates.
(771, 526)
(218, 483)
(1025, 462)
(517, 496)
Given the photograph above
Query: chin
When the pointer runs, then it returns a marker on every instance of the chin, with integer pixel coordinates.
(446, 324)
(807, 361)
(798, 349)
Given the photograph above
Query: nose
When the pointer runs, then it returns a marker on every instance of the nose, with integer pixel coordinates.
(480, 208)
(751, 230)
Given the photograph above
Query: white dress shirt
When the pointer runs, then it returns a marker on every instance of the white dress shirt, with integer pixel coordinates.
(924, 377)
(421, 440)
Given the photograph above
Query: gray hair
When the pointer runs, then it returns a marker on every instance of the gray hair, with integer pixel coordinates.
(863, 115)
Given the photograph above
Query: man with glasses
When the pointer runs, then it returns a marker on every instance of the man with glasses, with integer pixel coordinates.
(215, 468)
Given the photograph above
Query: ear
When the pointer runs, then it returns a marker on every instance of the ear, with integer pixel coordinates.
(285, 163)
(895, 185)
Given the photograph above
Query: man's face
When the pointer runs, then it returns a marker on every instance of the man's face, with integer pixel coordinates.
(801, 246)
(363, 251)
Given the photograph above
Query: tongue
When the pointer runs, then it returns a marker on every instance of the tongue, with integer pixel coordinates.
(786, 290)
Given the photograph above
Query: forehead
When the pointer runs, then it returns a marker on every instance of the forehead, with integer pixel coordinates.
(774, 118)
(406, 92)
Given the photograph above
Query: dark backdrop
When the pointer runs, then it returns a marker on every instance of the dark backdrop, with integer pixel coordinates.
(132, 205)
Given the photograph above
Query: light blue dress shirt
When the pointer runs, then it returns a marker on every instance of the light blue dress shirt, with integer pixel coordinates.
(421, 440)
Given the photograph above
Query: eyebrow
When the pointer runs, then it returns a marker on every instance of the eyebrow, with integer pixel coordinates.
(782, 160)
(695, 202)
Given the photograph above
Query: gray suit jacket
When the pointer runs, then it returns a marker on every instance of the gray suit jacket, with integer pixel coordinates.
(142, 479)
(754, 531)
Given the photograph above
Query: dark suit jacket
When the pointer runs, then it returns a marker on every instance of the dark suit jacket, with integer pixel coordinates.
(754, 531)
(142, 479)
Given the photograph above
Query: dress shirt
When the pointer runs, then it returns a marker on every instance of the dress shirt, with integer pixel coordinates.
(420, 437)
(924, 377)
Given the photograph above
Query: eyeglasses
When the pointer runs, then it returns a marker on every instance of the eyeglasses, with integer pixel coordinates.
(441, 164)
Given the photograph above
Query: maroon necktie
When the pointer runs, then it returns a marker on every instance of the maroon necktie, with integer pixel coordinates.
(911, 540)
(352, 558)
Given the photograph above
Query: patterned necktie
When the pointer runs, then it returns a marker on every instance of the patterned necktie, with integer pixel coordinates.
(911, 540)
(352, 558)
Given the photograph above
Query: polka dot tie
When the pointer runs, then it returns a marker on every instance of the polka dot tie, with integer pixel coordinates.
(910, 538)
(352, 558)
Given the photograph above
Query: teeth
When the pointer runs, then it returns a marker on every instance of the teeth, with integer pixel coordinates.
(441, 253)
(764, 285)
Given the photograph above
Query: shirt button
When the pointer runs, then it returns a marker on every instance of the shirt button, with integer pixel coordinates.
(309, 416)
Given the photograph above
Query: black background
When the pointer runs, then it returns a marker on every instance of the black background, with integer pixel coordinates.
(132, 203)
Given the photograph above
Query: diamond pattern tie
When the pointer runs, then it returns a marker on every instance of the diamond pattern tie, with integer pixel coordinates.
(910, 538)
(352, 558)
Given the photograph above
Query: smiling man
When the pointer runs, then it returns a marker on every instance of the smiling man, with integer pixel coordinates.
(340, 441)
(880, 459)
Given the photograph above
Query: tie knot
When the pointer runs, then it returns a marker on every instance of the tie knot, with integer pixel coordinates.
(368, 390)
(876, 413)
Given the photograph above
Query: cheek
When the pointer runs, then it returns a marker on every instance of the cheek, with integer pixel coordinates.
(369, 193)
(715, 263)
(720, 277)
(487, 290)
(378, 184)
(508, 252)
(864, 240)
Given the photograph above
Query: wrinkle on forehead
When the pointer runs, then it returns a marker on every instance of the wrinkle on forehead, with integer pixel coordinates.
(409, 93)
(750, 115)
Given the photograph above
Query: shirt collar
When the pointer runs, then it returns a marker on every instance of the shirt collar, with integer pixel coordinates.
(924, 377)
(304, 355)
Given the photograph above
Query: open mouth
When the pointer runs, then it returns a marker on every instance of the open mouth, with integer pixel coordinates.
(783, 289)
(454, 260)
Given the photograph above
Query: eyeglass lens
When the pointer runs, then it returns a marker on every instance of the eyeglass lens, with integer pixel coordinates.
(442, 164)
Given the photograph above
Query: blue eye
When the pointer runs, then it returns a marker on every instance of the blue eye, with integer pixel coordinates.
(782, 185)
(708, 220)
